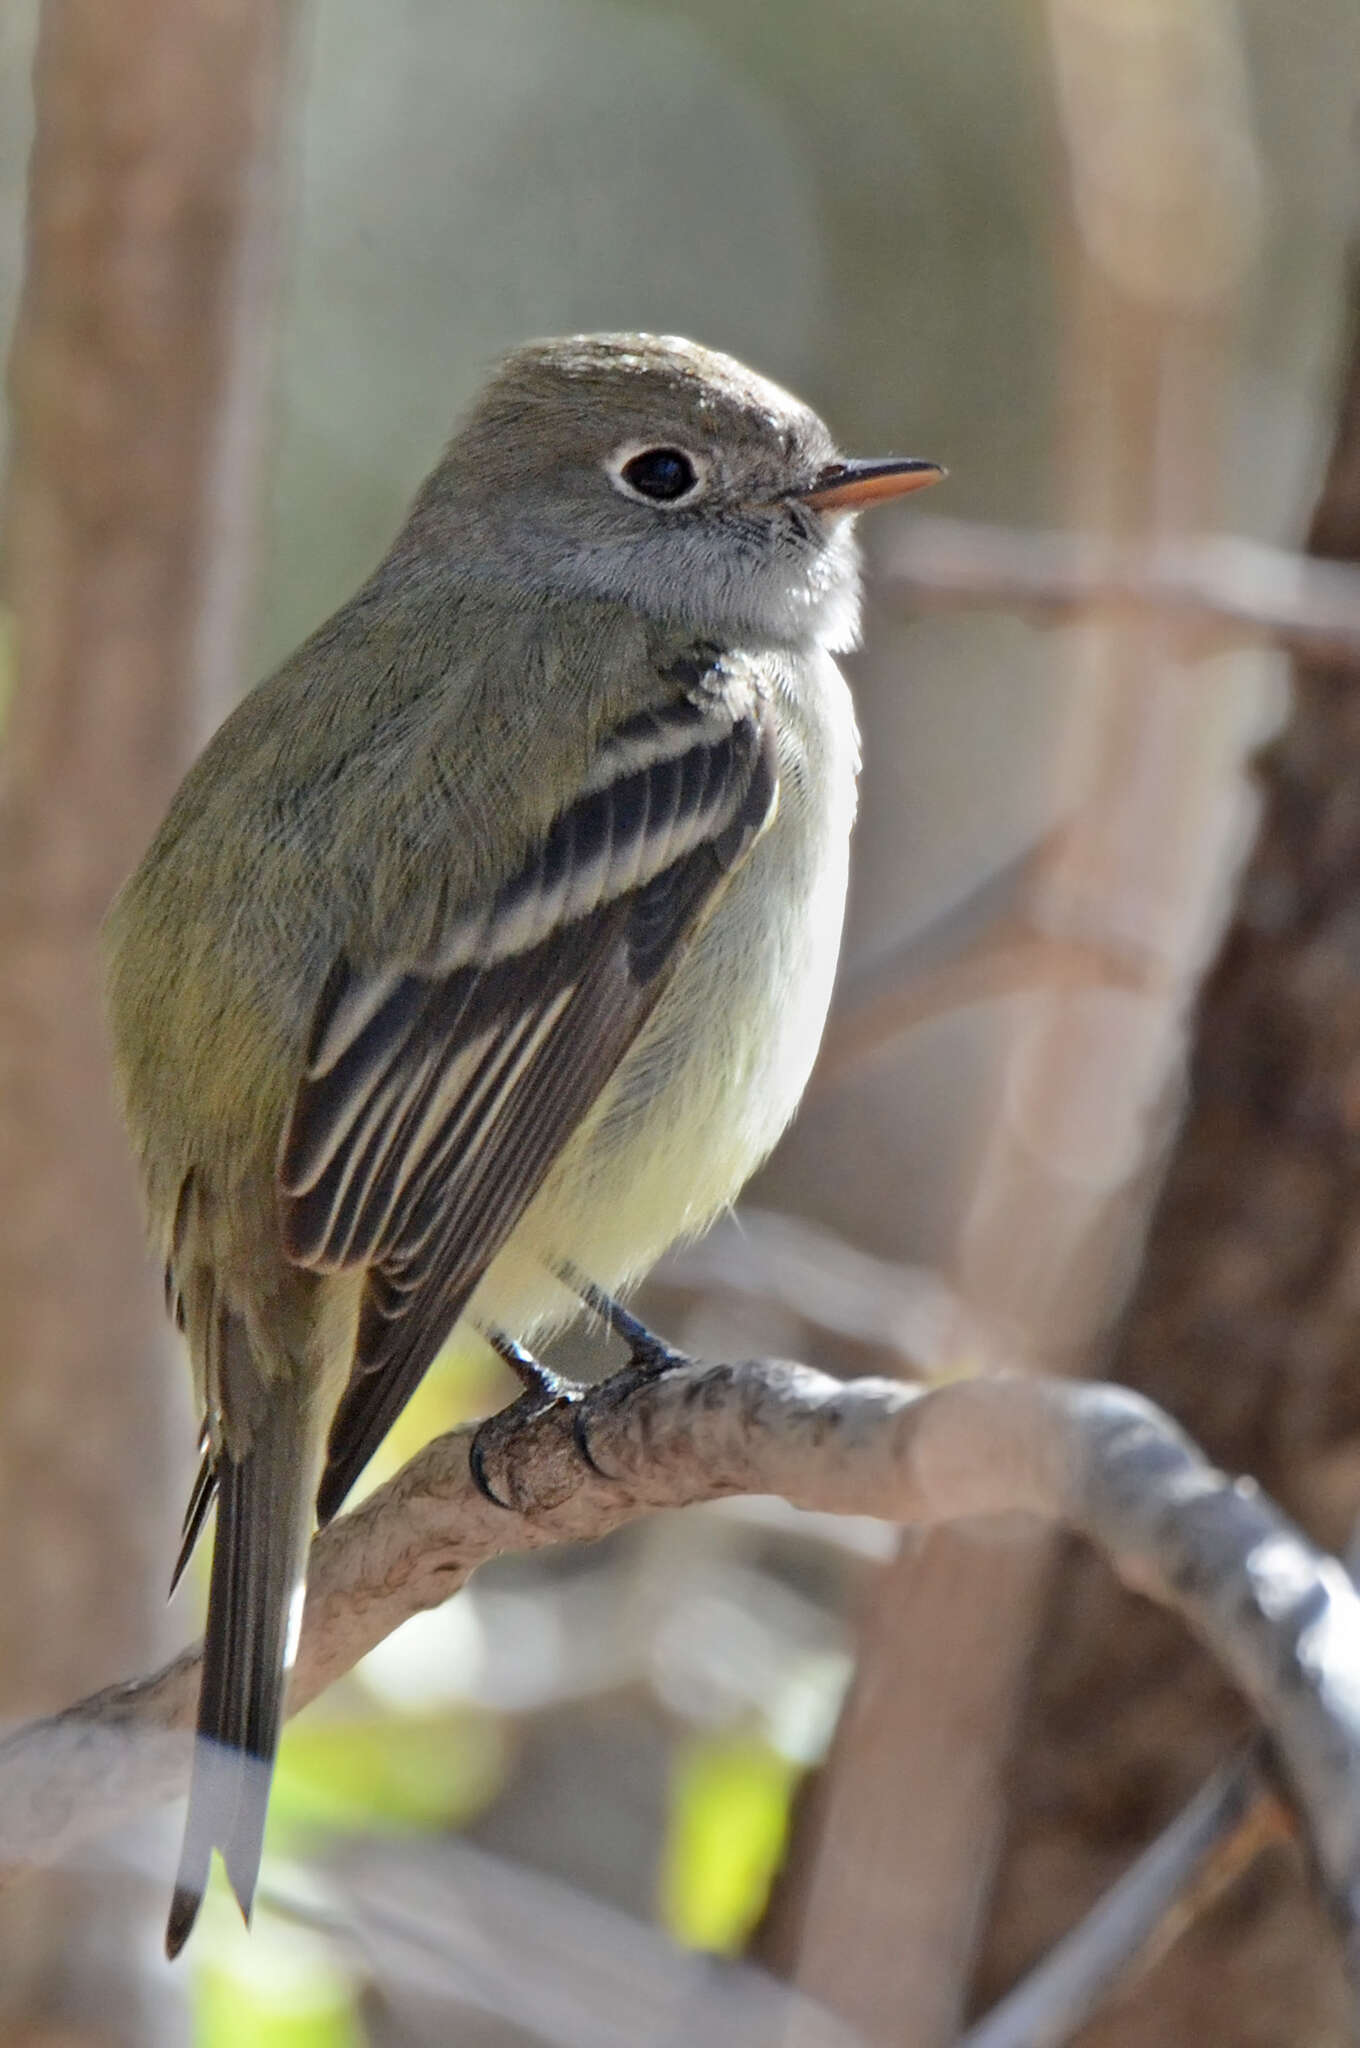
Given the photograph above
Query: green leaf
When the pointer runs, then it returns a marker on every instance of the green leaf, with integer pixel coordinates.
(729, 1821)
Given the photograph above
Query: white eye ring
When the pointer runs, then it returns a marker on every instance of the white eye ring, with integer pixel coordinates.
(660, 499)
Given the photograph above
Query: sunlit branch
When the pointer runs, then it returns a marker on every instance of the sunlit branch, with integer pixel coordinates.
(1283, 1619)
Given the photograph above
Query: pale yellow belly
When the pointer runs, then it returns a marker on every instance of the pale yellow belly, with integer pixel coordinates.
(718, 1072)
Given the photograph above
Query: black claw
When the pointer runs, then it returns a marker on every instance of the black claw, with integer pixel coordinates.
(581, 1437)
(543, 1389)
(648, 1358)
(477, 1467)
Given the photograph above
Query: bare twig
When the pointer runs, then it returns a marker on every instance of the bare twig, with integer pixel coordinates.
(442, 1929)
(1283, 1619)
(807, 1271)
(1138, 1917)
(438, 1929)
(1239, 589)
(1205, 1849)
(987, 945)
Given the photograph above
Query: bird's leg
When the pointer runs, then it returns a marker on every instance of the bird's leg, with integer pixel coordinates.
(647, 1353)
(543, 1389)
(533, 1376)
(648, 1357)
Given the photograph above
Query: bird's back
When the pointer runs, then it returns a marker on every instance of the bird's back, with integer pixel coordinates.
(327, 820)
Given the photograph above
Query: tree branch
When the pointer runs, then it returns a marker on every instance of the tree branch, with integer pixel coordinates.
(1281, 1617)
(141, 362)
(1241, 590)
(1205, 1848)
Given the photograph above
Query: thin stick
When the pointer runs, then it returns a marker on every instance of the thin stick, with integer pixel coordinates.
(1238, 589)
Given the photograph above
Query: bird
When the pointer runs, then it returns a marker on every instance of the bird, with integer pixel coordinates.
(485, 950)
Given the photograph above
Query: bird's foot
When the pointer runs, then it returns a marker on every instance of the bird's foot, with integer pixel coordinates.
(543, 1390)
(538, 1380)
(649, 1357)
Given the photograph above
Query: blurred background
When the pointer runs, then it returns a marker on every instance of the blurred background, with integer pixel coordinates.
(1093, 257)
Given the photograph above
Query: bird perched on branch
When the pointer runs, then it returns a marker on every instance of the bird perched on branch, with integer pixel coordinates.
(485, 950)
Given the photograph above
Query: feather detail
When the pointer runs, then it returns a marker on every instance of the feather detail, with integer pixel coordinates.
(438, 1096)
(254, 1604)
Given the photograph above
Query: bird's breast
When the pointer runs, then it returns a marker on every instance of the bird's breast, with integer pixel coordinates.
(715, 1076)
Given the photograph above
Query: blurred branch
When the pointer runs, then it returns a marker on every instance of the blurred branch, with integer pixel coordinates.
(1204, 1850)
(137, 377)
(990, 944)
(893, 1858)
(441, 1930)
(1250, 1258)
(831, 1286)
(1218, 1835)
(1239, 590)
(1283, 1619)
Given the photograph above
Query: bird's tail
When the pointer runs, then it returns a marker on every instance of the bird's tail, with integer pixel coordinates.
(264, 1520)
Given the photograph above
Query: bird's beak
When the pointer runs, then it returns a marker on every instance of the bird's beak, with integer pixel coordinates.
(850, 486)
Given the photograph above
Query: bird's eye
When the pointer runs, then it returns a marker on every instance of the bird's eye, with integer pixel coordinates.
(662, 475)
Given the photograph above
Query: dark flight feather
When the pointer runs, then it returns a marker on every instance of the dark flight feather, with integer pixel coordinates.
(438, 1096)
(259, 1560)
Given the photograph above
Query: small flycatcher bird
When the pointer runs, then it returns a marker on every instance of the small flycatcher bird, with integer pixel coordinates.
(487, 945)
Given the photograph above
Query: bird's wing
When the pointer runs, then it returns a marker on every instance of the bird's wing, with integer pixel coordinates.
(437, 1096)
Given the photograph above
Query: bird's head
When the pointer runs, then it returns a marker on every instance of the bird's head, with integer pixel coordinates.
(651, 472)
